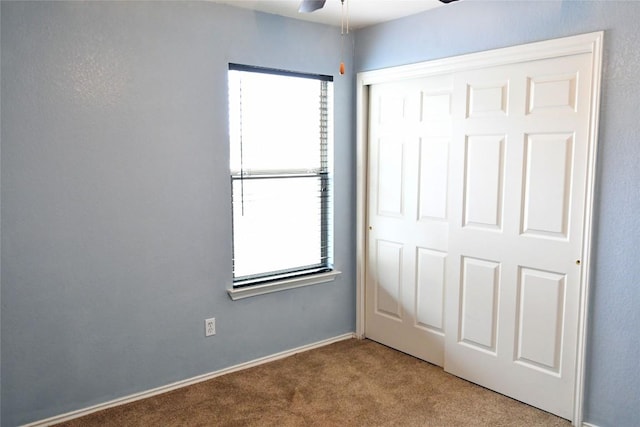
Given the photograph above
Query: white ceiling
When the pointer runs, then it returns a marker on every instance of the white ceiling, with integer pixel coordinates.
(361, 12)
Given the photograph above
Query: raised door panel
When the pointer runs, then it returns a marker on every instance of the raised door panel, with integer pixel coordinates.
(483, 181)
(390, 110)
(487, 99)
(388, 286)
(541, 297)
(390, 177)
(552, 94)
(433, 172)
(430, 282)
(480, 286)
(436, 105)
(547, 184)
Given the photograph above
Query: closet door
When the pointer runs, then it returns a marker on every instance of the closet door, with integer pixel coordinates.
(517, 203)
(409, 139)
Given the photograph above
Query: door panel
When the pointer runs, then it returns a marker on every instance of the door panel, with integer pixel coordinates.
(540, 318)
(483, 171)
(433, 172)
(517, 186)
(410, 133)
(430, 289)
(547, 184)
(552, 94)
(478, 318)
(487, 99)
(388, 262)
(390, 177)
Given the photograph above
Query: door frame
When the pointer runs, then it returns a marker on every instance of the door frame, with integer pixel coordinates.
(584, 43)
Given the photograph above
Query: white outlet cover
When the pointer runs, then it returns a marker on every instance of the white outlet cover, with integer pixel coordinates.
(209, 327)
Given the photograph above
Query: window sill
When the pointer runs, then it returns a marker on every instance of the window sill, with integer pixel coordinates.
(281, 285)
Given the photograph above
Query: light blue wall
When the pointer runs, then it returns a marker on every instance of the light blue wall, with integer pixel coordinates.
(613, 374)
(116, 199)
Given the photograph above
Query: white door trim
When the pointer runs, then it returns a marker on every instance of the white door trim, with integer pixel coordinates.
(584, 43)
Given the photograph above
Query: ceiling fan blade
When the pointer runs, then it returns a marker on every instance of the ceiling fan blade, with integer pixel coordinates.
(447, 1)
(308, 6)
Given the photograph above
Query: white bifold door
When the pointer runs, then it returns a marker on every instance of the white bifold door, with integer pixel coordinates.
(477, 193)
(410, 134)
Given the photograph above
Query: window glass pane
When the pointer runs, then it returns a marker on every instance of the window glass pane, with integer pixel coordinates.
(279, 140)
(277, 121)
(276, 224)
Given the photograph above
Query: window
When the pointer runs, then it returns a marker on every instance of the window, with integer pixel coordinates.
(280, 174)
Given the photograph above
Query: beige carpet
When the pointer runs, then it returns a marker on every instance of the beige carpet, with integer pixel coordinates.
(349, 383)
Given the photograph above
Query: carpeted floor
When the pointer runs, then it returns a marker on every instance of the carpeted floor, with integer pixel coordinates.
(349, 383)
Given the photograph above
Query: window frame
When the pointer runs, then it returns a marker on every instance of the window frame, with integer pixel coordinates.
(272, 281)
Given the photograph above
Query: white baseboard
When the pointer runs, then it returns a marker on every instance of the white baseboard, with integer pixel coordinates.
(588, 425)
(184, 383)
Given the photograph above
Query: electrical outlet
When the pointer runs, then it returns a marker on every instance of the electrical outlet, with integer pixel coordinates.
(209, 327)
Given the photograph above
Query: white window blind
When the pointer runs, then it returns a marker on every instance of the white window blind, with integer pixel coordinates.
(280, 177)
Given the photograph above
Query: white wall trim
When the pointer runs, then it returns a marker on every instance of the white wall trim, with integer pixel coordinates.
(362, 155)
(588, 425)
(573, 45)
(281, 285)
(583, 315)
(584, 43)
(184, 383)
